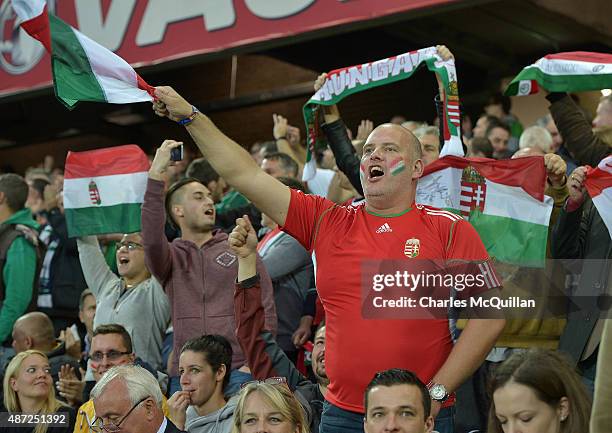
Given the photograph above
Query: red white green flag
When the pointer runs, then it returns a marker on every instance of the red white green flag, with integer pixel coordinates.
(104, 190)
(343, 82)
(564, 72)
(83, 70)
(599, 185)
(503, 200)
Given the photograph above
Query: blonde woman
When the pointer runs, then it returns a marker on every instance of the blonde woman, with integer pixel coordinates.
(268, 406)
(28, 389)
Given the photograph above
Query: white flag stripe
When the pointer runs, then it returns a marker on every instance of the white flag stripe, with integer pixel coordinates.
(513, 202)
(452, 107)
(115, 76)
(603, 203)
(440, 189)
(28, 9)
(572, 67)
(524, 87)
(115, 189)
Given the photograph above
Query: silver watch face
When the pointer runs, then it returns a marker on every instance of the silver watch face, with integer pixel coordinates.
(438, 392)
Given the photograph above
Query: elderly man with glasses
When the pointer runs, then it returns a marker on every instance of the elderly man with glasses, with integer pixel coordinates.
(111, 347)
(135, 298)
(128, 399)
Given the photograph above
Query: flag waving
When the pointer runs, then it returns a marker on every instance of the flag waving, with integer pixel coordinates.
(599, 185)
(564, 72)
(104, 189)
(83, 70)
(503, 200)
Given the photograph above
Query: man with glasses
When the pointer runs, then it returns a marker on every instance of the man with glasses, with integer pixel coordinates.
(128, 399)
(111, 346)
(135, 298)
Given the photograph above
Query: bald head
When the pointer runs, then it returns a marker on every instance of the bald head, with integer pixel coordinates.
(33, 331)
(405, 138)
(528, 151)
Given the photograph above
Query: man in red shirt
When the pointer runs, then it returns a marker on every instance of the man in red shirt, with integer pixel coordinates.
(387, 226)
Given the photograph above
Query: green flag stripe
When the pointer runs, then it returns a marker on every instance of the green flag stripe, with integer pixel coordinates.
(72, 73)
(511, 241)
(560, 83)
(122, 218)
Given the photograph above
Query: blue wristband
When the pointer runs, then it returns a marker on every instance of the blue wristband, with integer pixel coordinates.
(188, 120)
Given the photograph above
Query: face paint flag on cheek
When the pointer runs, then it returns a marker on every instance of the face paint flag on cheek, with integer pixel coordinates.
(362, 173)
(397, 166)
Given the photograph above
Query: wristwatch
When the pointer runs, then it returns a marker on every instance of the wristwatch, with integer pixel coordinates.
(437, 392)
(187, 120)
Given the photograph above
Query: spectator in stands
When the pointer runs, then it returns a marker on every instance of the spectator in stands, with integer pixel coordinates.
(398, 119)
(480, 147)
(268, 406)
(87, 313)
(111, 346)
(135, 299)
(580, 233)
(264, 356)
(557, 142)
(130, 392)
(255, 152)
(280, 164)
(223, 195)
(603, 118)
(204, 366)
(499, 106)
(288, 140)
(396, 400)
(498, 134)
(578, 136)
(538, 391)
(20, 258)
(197, 271)
(482, 125)
(267, 147)
(28, 388)
(34, 331)
(290, 268)
(61, 278)
(536, 137)
(323, 227)
(429, 137)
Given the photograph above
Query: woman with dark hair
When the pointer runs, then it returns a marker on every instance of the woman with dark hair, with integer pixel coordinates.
(538, 392)
(28, 388)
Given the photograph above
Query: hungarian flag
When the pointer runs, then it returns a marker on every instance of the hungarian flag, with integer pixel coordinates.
(503, 200)
(599, 185)
(564, 72)
(83, 70)
(104, 189)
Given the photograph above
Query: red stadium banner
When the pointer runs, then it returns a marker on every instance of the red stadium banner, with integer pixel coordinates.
(148, 32)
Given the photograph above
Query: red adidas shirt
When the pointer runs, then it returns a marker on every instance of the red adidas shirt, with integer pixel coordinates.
(341, 238)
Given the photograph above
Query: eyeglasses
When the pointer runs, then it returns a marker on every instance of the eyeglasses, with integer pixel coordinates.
(112, 355)
(131, 246)
(270, 381)
(98, 425)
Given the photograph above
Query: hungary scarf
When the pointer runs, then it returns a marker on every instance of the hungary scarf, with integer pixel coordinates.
(104, 189)
(564, 72)
(503, 200)
(83, 70)
(343, 82)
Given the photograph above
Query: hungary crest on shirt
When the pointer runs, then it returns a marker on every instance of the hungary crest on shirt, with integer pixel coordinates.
(411, 248)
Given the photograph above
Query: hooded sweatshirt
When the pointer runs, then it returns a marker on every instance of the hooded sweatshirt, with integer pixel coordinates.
(219, 421)
(18, 274)
(199, 281)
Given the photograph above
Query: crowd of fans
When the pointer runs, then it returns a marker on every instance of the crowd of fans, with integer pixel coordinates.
(211, 319)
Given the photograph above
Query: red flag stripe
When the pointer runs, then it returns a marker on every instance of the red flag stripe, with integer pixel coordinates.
(581, 56)
(38, 28)
(528, 173)
(109, 161)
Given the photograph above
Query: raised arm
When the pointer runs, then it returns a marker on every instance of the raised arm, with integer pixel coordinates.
(264, 356)
(232, 162)
(98, 275)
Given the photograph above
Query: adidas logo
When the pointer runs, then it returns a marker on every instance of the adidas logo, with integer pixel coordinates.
(385, 228)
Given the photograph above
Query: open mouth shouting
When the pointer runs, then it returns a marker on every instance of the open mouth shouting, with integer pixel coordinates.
(375, 172)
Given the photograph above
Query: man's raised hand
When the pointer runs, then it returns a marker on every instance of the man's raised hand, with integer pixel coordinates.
(280, 127)
(243, 239)
(555, 169)
(170, 104)
(575, 185)
(162, 159)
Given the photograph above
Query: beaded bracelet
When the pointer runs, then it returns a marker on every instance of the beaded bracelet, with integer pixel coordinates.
(187, 120)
